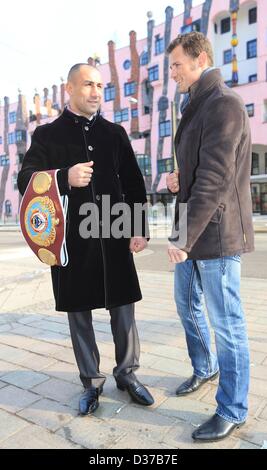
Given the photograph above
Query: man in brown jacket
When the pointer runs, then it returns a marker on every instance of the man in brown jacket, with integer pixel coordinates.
(213, 151)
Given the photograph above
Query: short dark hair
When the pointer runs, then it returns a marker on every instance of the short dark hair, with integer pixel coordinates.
(193, 44)
(75, 68)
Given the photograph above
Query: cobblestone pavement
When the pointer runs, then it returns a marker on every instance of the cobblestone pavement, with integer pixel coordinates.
(39, 383)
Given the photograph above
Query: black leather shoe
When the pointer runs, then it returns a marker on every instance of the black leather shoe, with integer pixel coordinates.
(215, 429)
(88, 402)
(193, 384)
(137, 392)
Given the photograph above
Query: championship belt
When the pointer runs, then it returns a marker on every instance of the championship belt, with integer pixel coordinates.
(43, 218)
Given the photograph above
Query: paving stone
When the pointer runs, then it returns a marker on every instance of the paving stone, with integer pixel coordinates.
(48, 414)
(263, 413)
(16, 340)
(26, 330)
(182, 369)
(180, 436)
(53, 337)
(34, 437)
(14, 399)
(11, 354)
(6, 367)
(186, 409)
(10, 424)
(255, 431)
(51, 326)
(91, 433)
(24, 378)
(132, 440)
(63, 371)
(58, 390)
(149, 423)
(258, 387)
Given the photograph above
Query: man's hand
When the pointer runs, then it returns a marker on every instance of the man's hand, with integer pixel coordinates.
(172, 181)
(137, 244)
(80, 175)
(176, 255)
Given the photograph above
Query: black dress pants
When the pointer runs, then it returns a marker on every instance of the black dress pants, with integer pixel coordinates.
(125, 337)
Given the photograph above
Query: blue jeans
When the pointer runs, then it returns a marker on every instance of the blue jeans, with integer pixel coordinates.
(218, 281)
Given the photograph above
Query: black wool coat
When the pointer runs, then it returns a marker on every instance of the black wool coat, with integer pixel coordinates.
(213, 151)
(101, 271)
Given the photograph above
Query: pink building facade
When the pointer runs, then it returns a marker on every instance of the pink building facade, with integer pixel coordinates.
(139, 94)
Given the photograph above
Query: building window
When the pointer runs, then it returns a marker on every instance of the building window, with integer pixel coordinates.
(12, 117)
(252, 15)
(15, 181)
(159, 45)
(165, 128)
(265, 111)
(194, 26)
(144, 163)
(225, 25)
(4, 160)
(227, 56)
(253, 78)
(165, 165)
(134, 113)
(20, 136)
(11, 138)
(144, 58)
(122, 115)
(8, 208)
(146, 109)
(129, 88)
(153, 73)
(1, 140)
(250, 109)
(255, 164)
(252, 49)
(127, 64)
(109, 92)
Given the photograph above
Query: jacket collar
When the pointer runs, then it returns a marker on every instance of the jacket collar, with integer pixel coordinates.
(207, 81)
(68, 114)
(199, 90)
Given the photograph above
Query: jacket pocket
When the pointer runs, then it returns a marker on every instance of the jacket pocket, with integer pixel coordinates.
(217, 216)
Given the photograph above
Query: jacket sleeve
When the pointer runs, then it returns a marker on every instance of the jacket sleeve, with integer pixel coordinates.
(37, 159)
(133, 186)
(221, 135)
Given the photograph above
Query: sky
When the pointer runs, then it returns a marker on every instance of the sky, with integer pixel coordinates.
(40, 41)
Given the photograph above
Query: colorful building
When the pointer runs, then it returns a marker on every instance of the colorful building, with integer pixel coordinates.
(139, 94)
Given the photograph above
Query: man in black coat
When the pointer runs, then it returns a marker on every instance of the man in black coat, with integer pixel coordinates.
(95, 161)
(213, 227)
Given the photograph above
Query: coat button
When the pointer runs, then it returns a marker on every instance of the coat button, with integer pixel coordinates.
(90, 148)
(98, 197)
(86, 128)
(100, 223)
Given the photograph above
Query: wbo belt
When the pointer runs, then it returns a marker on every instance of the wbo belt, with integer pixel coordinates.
(43, 218)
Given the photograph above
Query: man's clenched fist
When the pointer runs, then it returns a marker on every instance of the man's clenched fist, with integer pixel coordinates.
(172, 181)
(80, 175)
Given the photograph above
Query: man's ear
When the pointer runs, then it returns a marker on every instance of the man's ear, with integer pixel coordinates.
(68, 88)
(202, 59)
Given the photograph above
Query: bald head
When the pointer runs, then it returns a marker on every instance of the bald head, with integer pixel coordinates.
(85, 89)
(76, 69)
